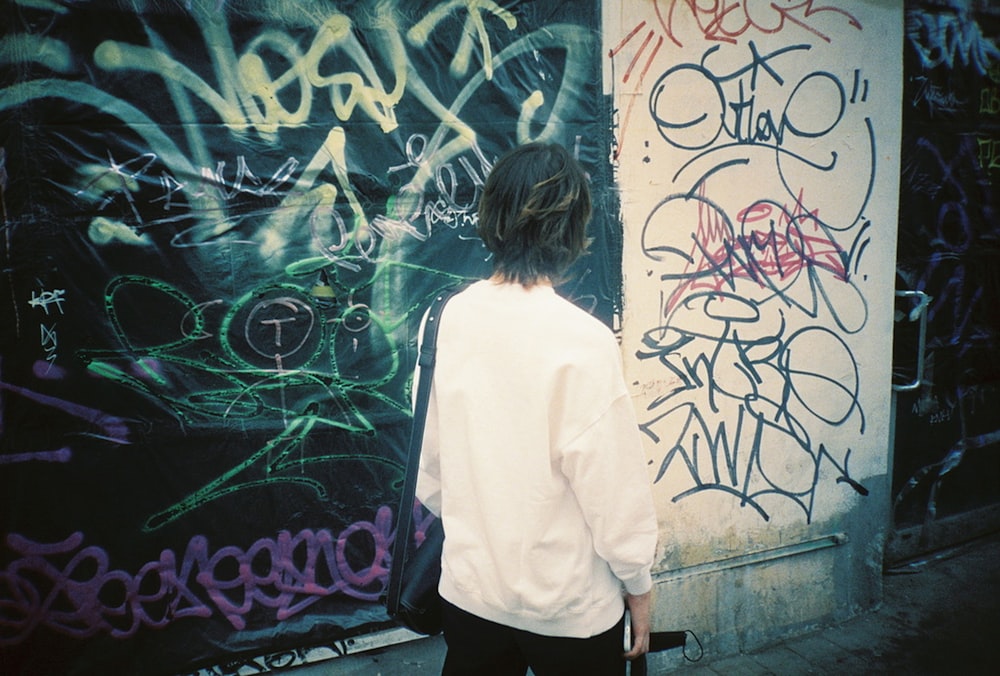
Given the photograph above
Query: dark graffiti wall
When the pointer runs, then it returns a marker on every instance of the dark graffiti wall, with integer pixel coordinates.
(221, 224)
(948, 430)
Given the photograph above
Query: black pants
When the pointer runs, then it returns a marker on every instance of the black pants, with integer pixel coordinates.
(478, 647)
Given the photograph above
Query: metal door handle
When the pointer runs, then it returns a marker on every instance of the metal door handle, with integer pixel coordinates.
(919, 312)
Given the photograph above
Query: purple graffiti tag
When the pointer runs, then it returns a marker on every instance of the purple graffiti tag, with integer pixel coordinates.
(73, 590)
(115, 428)
(63, 454)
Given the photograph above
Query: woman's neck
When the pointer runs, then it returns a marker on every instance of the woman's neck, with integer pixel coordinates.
(498, 278)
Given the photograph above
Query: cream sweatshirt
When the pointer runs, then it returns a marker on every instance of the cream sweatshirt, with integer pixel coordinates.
(532, 459)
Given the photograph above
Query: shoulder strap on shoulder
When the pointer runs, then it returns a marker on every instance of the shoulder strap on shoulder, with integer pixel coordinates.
(404, 522)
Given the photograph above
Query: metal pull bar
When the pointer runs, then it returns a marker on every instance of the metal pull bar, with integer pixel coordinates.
(918, 312)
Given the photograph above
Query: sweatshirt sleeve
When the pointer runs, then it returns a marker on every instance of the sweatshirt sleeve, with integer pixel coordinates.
(606, 466)
(429, 472)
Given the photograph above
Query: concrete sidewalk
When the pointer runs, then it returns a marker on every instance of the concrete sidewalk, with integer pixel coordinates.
(940, 615)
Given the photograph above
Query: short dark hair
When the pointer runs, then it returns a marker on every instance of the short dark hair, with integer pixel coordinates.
(533, 213)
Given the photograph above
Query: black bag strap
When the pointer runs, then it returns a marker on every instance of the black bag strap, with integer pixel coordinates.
(404, 521)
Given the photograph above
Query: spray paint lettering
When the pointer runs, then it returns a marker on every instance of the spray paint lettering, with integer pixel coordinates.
(685, 22)
(256, 203)
(728, 21)
(955, 233)
(951, 38)
(72, 589)
(948, 251)
(758, 298)
(275, 357)
(726, 117)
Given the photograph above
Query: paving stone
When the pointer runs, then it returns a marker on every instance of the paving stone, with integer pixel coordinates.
(699, 671)
(868, 636)
(781, 660)
(743, 665)
(821, 652)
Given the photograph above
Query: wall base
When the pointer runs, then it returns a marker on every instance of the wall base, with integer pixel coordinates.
(908, 543)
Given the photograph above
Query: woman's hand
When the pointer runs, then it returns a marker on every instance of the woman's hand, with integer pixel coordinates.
(639, 607)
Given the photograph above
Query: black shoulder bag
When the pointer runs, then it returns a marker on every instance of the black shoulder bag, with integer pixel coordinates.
(412, 597)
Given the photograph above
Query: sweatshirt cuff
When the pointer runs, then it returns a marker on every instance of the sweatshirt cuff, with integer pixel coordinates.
(640, 584)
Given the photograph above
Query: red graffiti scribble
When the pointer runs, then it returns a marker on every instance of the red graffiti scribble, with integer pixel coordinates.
(624, 123)
(775, 245)
(727, 20)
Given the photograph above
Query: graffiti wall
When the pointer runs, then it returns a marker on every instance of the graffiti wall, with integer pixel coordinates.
(758, 146)
(221, 224)
(949, 249)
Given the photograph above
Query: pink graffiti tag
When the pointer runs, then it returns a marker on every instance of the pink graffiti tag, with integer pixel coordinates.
(772, 248)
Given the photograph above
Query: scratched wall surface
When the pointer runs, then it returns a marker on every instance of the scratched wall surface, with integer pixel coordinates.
(222, 221)
(947, 430)
(757, 148)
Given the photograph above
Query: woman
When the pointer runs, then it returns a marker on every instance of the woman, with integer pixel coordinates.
(532, 456)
